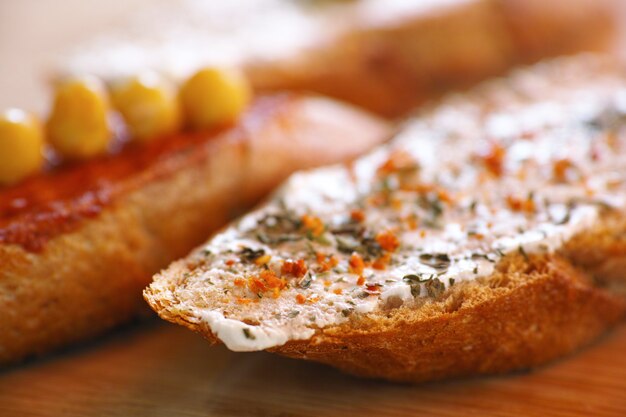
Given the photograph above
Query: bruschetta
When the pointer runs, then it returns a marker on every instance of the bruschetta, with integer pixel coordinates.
(487, 237)
(79, 243)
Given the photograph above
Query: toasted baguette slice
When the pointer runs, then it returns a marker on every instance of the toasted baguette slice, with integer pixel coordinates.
(383, 55)
(78, 245)
(487, 237)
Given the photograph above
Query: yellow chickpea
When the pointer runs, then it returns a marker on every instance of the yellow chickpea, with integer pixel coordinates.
(149, 106)
(21, 145)
(78, 126)
(214, 96)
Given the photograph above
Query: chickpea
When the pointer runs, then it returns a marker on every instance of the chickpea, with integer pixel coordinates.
(149, 106)
(214, 96)
(21, 145)
(78, 126)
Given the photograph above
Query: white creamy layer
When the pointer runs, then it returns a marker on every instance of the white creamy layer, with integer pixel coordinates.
(443, 203)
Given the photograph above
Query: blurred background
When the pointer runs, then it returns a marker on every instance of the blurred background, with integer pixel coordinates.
(35, 35)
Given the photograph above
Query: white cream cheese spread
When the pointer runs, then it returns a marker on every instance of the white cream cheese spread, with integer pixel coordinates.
(451, 195)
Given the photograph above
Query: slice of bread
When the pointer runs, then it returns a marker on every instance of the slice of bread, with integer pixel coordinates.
(383, 55)
(487, 237)
(78, 244)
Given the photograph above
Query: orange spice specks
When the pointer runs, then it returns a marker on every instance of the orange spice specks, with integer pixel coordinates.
(239, 282)
(477, 236)
(445, 196)
(494, 160)
(561, 168)
(388, 241)
(276, 292)
(523, 205)
(397, 161)
(378, 199)
(396, 204)
(338, 291)
(373, 287)
(356, 264)
(230, 262)
(243, 301)
(326, 262)
(357, 215)
(296, 269)
(300, 299)
(272, 280)
(420, 188)
(256, 285)
(327, 283)
(422, 233)
(313, 225)
(262, 260)
(382, 262)
(360, 280)
(411, 222)
(265, 281)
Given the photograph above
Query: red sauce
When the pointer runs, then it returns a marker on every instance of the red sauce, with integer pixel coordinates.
(56, 200)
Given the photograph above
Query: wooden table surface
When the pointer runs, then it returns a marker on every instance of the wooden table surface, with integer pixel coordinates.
(157, 369)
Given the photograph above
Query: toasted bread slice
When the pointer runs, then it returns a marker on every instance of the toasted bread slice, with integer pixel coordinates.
(383, 55)
(487, 237)
(77, 245)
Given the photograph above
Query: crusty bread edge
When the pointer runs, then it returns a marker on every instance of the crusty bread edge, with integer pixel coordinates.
(526, 315)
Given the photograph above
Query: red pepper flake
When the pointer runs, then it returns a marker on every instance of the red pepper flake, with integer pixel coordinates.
(560, 169)
(357, 215)
(326, 262)
(378, 199)
(397, 161)
(313, 225)
(296, 269)
(256, 285)
(388, 241)
(373, 287)
(356, 264)
(494, 160)
(300, 299)
(239, 282)
(517, 204)
(230, 262)
(445, 196)
(338, 291)
(396, 204)
(382, 262)
(243, 301)
(265, 281)
(360, 280)
(412, 221)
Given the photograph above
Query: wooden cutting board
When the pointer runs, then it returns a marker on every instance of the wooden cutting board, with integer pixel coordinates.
(157, 369)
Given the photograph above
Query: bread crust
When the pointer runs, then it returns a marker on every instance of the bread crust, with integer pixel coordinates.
(89, 279)
(553, 314)
(391, 67)
(528, 313)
